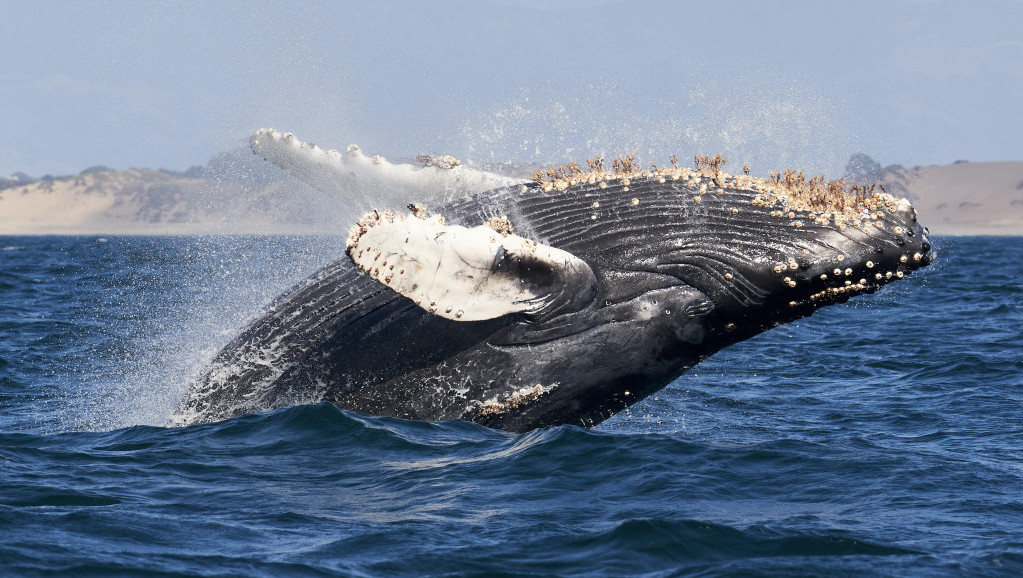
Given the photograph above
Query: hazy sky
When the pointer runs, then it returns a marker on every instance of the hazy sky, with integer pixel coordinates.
(803, 84)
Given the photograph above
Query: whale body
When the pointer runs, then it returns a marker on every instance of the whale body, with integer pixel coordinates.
(562, 300)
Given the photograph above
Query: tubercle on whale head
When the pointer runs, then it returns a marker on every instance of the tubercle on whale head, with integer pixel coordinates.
(805, 282)
(772, 250)
(861, 241)
(829, 198)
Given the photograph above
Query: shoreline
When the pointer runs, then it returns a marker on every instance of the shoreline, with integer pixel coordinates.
(959, 200)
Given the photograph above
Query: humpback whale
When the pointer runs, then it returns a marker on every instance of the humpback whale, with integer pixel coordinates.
(559, 300)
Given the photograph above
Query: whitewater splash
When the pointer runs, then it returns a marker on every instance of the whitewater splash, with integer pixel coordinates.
(532, 127)
(169, 307)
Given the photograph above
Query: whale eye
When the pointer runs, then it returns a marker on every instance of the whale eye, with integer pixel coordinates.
(499, 257)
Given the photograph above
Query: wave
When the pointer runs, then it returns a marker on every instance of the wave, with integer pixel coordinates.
(305, 487)
(876, 438)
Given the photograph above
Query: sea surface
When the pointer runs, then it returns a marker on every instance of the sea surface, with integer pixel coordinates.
(883, 437)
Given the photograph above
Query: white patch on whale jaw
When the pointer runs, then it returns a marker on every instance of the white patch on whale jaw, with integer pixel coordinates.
(468, 274)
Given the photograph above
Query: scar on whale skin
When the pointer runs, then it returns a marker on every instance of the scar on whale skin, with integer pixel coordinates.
(604, 284)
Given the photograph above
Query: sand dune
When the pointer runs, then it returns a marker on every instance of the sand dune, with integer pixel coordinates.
(142, 201)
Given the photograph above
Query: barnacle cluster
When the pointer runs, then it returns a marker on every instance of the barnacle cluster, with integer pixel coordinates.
(439, 161)
(787, 193)
(501, 225)
(515, 399)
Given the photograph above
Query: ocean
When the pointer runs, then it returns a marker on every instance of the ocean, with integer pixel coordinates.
(883, 437)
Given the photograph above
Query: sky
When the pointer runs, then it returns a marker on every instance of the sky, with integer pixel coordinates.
(776, 84)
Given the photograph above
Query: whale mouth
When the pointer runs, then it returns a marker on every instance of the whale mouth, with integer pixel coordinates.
(866, 279)
(870, 262)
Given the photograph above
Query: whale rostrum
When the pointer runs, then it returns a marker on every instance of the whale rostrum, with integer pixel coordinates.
(559, 300)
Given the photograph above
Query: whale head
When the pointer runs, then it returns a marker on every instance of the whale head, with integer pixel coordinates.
(763, 251)
(807, 262)
(687, 262)
(766, 255)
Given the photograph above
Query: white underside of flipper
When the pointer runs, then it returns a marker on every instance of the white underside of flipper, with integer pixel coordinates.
(466, 274)
(336, 173)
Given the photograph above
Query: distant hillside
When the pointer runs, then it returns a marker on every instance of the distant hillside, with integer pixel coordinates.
(235, 193)
(238, 192)
(963, 198)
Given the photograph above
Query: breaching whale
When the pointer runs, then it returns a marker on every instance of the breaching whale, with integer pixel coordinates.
(561, 300)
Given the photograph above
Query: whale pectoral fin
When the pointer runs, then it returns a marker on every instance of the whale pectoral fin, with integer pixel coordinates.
(336, 173)
(324, 170)
(469, 274)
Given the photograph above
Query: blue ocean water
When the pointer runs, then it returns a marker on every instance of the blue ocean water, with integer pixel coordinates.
(879, 437)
